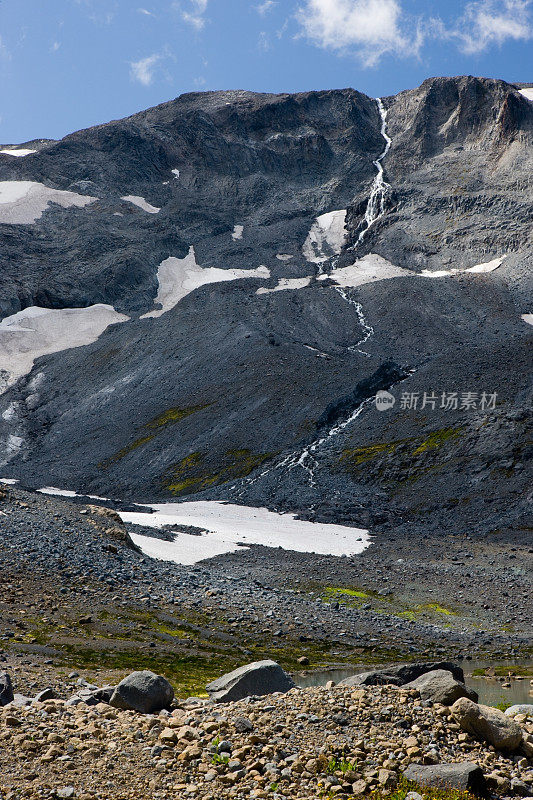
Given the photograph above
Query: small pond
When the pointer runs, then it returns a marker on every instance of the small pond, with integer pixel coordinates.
(491, 691)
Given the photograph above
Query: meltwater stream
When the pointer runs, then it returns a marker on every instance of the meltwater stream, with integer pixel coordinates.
(375, 209)
(380, 190)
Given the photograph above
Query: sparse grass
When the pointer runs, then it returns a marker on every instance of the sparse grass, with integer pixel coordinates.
(403, 788)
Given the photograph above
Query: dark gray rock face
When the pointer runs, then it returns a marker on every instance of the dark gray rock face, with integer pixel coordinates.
(257, 678)
(229, 383)
(6, 689)
(143, 691)
(440, 686)
(404, 673)
(464, 776)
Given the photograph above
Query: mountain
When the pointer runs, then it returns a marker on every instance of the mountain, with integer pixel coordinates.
(236, 276)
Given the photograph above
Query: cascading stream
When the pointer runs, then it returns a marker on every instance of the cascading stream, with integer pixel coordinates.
(380, 190)
(375, 209)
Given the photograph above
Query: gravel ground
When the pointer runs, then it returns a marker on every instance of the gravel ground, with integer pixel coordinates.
(305, 744)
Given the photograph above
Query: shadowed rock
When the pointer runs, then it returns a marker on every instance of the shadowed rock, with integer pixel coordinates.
(464, 776)
(6, 689)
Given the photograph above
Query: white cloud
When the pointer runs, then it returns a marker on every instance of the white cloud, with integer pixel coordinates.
(264, 8)
(369, 28)
(194, 13)
(143, 71)
(263, 42)
(55, 47)
(145, 12)
(491, 22)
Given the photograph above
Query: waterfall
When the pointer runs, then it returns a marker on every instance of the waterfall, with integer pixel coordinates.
(380, 190)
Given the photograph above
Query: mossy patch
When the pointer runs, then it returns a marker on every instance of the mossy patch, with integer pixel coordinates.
(169, 417)
(190, 475)
(173, 415)
(437, 439)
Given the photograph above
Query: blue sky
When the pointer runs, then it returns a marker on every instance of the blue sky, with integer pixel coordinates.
(69, 64)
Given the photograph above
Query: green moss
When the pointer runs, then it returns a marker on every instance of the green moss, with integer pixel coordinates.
(360, 455)
(169, 417)
(337, 590)
(437, 439)
(173, 415)
(189, 475)
(125, 451)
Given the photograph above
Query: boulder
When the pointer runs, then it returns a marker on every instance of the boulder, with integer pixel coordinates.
(372, 678)
(440, 686)
(520, 708)
(464, 776)
(46, 694)
(143, 691)
(257, 678)
(402, 674)
(6, 689)
(91, 697)
(488, 724)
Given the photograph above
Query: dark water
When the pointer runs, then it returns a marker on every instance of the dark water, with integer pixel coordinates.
(490, 690)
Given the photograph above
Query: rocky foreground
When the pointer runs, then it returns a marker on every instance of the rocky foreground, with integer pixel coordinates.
(346, 741)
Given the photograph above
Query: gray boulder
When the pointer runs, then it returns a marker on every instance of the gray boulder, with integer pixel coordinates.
(6, 689)
(143, 691)
(488, 724)
(402, 674)
(257, 678)
(464, 776)
(440, 686)
(520, 708)
(46, 694)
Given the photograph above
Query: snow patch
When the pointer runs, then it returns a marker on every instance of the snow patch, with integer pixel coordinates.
(238, 230)
(179, 277)
(19, 153)
(52, 490)
(9, 481)
(528, 93)
(229, 527)
(36, 332)
(23, 202)
(284, 257)
(487, 266)
(176, 173)
(140, 202)
(326, 237)
(368, 269)
(528, 318)
(286, 283)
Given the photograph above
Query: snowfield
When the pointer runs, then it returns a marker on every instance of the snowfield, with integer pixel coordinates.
(229, 527)
(326, 237)
(286, 283)
(23, 202)
(178, 277)
(368, 269)
(140, 202)
(528, 93)
(36, 332)
(20, 152)
(528, 318)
